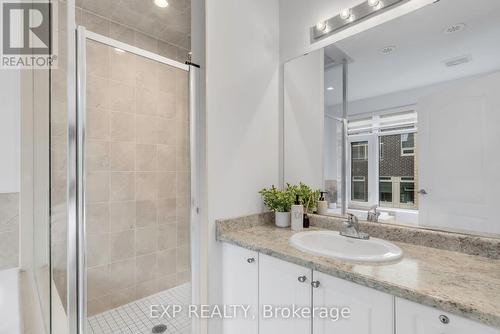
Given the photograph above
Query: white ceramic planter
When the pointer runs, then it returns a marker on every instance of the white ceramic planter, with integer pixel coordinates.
(282, 219)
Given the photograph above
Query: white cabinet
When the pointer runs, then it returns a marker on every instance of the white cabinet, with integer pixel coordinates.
(283, 286)
(371, 311)
(413, 318)
(240, 277)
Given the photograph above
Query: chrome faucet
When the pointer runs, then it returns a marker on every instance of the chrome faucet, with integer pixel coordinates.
(373, 214)
(351, 228)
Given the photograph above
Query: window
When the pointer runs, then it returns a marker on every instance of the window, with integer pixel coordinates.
(359, 171)
(393, 138)
(407, 144)
(360, 151)
(359, 189)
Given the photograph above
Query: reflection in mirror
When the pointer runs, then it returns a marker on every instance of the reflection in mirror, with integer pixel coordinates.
(421, 144)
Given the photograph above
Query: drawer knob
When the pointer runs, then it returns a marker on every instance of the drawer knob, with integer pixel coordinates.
(251, 260)
(315, 284)
(302, 278)
(444, 319)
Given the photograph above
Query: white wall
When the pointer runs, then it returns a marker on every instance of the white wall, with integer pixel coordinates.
(10, 134)
(304, 120)
(242, 101)
(298, 16)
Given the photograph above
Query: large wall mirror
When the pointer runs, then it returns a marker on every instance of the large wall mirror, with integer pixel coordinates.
(405, 118)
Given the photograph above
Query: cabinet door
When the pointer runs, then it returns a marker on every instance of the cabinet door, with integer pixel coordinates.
(371, 311)
(240, 277)
(285, 285)
(413, 318)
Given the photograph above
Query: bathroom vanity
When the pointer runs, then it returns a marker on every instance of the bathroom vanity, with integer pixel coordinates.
(428, 291)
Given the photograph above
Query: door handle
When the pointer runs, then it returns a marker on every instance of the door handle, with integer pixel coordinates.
(315, 284)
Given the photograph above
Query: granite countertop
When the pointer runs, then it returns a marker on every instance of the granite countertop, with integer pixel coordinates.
(462, 284)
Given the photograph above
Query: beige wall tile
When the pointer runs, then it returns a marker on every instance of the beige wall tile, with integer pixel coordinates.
(146, 215)
(167, 262)
(95, 23)
(122, 216)
(167, 185)
(167, 236)
(147, 73)
(167, 211)
(98, 281)
(167, 158)
(167, 131)
(97, 216)
(99, 305)
(97, 249)
(97, 92)
(183, 277)
(146, 268)
(147, 288)
(183, 183)
(182, 158)
(122, 186)
(122, 245)
(167, 282)
(147, 132)
(97, 124)
(97, 187)
(123, 156)
(122, 67)
(146, 157)
(146, 240)
(122, 126)
(167, 79)
(183, 258)
(147, 101)
(97, 59)
(122, 274)
(121, 33)
(124, 296)
(97, 155)
(121, 97)
(146, 186)
(166, 105)
(146, 42)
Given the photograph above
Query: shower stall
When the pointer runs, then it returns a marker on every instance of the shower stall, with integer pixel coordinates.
(124, 189)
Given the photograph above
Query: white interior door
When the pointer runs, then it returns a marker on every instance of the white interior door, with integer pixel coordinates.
(459, 140)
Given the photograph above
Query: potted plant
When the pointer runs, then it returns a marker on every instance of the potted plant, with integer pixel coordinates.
(279, 201)
(308, 196)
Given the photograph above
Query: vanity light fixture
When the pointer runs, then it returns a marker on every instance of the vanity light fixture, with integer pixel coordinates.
(350, 16)
(161, 3)
(321, 26)
(346, 14)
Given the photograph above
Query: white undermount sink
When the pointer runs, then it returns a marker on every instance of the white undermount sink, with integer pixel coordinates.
(332, 244)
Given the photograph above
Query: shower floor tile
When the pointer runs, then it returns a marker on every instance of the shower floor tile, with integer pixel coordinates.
(134, 318)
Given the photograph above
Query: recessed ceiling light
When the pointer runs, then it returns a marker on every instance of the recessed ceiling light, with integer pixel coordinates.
(454, 28)
(386, 50)
(161, 3)
(329, 88)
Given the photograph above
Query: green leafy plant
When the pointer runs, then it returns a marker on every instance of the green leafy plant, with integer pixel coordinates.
(308, 197)
(278, 200)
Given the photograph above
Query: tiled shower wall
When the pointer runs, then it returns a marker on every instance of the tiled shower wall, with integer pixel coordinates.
(137, 184)
(9, 230)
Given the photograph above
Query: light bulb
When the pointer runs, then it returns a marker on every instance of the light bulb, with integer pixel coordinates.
(321, 26)
(345, 13)
(161, 3)
(373, 3)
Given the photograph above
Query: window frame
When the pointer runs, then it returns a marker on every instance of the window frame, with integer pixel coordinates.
(403, 149)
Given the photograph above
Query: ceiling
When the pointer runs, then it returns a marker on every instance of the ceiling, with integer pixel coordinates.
(171, 24)
(422, 48)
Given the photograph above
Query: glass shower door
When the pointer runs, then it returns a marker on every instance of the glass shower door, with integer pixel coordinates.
(136, 186)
